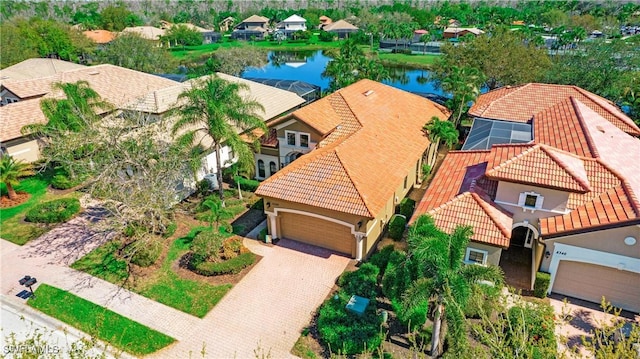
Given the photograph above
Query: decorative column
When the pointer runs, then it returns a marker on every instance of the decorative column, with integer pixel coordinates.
(359, 244)
(272, 225)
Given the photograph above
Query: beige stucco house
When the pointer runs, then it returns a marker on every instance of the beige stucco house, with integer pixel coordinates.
(565, 202)
(338, 167)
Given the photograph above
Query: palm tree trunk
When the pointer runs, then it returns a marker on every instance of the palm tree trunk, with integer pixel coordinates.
(435, 335)
(219, 171)
(11, 192)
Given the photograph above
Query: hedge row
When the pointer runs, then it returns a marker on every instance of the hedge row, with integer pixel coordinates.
(541, 286)
(406, 207)
(56, 211)
(230, 266)
(246, 184)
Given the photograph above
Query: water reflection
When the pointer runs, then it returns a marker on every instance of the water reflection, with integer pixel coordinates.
(308, 66)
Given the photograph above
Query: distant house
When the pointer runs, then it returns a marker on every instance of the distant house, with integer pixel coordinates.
(292, 24)
(548, 181)
(150, 33)
(208, 36)
(324, 21)
(100, 37)
(341, 28)
(254, 26)
(456, 32)
(226, 24)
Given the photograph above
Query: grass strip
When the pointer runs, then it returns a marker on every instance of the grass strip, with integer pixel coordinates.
(97, 321)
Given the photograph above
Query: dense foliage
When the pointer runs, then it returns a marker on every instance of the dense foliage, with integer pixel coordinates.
(246, 184)
(406, 207)
(133, 52)
(397, 227)
(56, 211)
(541, 285)
(230, 266)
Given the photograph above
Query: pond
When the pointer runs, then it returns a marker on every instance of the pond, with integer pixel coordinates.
(308, 66)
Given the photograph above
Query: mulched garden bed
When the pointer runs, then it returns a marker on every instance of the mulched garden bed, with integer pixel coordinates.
(6, 202)
(180, 267)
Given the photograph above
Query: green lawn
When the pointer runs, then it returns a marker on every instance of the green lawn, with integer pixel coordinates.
(121, 332)
(419, 61)
(164, 286)
(12, 226)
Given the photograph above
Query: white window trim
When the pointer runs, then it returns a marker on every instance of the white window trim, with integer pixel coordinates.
(485, 254)
(297, 136)
(286, 138)
(299, 139)
(522, 199)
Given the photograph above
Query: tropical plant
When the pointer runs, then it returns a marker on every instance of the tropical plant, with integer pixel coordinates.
(10, 173)
(464, 84)
(442, 131)
(215, 108)
(351, 65)
(444, 280)
(216, 213)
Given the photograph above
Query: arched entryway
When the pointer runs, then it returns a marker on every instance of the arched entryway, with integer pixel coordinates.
(517, 260)
(292, 156)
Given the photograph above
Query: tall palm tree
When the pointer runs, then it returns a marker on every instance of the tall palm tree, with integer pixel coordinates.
(464, 84)
(442, 131)
(444, 279)
(10, 173)
(213, 108)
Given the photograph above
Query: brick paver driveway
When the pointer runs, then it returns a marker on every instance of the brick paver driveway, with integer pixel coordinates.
(268, 308)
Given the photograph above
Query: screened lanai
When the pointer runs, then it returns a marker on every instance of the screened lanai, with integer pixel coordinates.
(486, 133)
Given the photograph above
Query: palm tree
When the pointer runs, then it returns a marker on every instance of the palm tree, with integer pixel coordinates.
(350, 65)
(442, 131)
(217, 213)
(464, 83)
(10, 173)
(214, 109)
(444, 280)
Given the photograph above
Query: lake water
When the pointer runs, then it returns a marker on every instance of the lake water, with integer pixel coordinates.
(308, 67)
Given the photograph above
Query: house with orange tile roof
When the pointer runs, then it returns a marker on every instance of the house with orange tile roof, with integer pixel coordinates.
(100, 37)
(338, 167)
(565, 202)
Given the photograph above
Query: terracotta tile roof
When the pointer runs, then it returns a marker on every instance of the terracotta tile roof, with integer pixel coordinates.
(559, 126)
(460, 194)
(601, 179)
(16, 115)
(491, 224)
(115, 84)
(521, 103)
(361, 160)
(100, 36)
(35, 68)
(543, 166)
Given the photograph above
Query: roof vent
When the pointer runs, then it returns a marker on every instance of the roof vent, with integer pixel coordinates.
(599, 128)
(94, 72)
(368, 92)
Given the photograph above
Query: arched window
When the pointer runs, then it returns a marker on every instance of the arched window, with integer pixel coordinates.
(261, 168)
(272, 168)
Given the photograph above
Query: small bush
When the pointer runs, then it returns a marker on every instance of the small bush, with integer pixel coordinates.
(362, 282)
(348, 333)
(144, 253)
(397, 227)
(406, 207)
(426, 170)
(541, 285)
(207, 245)
(262, 235)
(230, 266)
(325, 36)
(246, 184)
(380, 259)
(537, 321)
(56, 211)
(61, 181)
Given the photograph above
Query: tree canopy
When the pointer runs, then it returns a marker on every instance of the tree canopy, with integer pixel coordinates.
(133, 52)
(351, 65)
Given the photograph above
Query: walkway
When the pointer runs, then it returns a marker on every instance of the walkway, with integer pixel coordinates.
(266, 310)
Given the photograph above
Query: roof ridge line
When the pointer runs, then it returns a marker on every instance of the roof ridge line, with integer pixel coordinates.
(519, 87)
(635, 201)
(481, 202)
(590, 142)
(512, 159)
(446, 204)
(589, 96)
(548, 150)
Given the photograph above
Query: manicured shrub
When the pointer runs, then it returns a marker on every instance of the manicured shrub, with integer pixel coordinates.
(406, 207)
(246, 184)
(397, 227)
(380, 259)
(362, 282)
(144, 253)
(206, 245)
(56, 211)
(230, 266)
(262, 235)
(348, 333)
(541, 285)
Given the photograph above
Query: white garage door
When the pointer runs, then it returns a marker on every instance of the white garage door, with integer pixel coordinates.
(591, 282)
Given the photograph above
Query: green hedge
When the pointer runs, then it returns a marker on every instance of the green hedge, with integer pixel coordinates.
(362, 282)
(230, 266)
(380, 259)
(56, 211)
(406, 207)
(246, 184)
(541, 285)
(397, 227)
(262, 235)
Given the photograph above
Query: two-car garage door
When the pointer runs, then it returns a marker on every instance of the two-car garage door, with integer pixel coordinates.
(318, 232)
(591, 282)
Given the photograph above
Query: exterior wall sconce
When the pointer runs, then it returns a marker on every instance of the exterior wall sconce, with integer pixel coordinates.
(268, 204)
(547, 254)
(359, 224)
